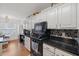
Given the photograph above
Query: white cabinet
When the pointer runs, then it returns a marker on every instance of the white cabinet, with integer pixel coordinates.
(27, 43)
(34, 20)
(52, 18)
(48, 50)
(42, 16)
(29, 23)
(53, 51)
(78, 15)
(67, 16)
(63, 16)
(59, 52)
(47, 53)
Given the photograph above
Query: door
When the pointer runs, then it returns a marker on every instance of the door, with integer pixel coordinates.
(67, 16)
(52, 18)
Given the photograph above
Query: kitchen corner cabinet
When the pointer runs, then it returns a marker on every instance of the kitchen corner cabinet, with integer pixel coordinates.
(67, 16)
(52, 18)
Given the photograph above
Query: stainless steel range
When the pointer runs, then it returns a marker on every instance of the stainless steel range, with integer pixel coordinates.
(39, 33)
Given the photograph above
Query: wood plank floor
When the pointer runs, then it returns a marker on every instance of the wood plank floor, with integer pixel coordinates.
(16, 49)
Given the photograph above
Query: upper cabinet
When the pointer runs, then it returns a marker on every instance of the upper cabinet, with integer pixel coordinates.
(28, 23)
(38, 18)
(78, 15)
(67, 16)
(52, 18)
(42, 16)
(63, 16)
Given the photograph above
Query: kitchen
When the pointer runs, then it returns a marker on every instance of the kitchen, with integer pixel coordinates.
(44, 29)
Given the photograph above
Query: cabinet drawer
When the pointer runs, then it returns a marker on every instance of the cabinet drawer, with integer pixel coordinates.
(59, 52)
(48, 47)
(47, 53)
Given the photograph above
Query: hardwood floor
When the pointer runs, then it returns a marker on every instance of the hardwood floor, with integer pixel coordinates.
(16, 49)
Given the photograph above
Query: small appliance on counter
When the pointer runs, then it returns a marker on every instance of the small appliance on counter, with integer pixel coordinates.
(39, 33)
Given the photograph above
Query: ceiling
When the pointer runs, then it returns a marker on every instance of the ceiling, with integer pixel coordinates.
(21, 10)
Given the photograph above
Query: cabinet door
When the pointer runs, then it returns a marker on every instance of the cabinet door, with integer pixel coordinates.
(67, 16)
(34, 20)
(78, 16)
(59, 52)
(48, 47)
(27, 43)
(28, 23)
(48, 50)
(42, 17)
(52, 18)
(47, 53)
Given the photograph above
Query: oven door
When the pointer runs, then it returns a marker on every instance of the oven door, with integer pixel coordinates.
(37, 47)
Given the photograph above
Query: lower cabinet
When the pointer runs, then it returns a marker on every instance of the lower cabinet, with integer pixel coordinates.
(48, 50)
(52, 51)
(59, 52)
(27, 43)
(47, 53)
